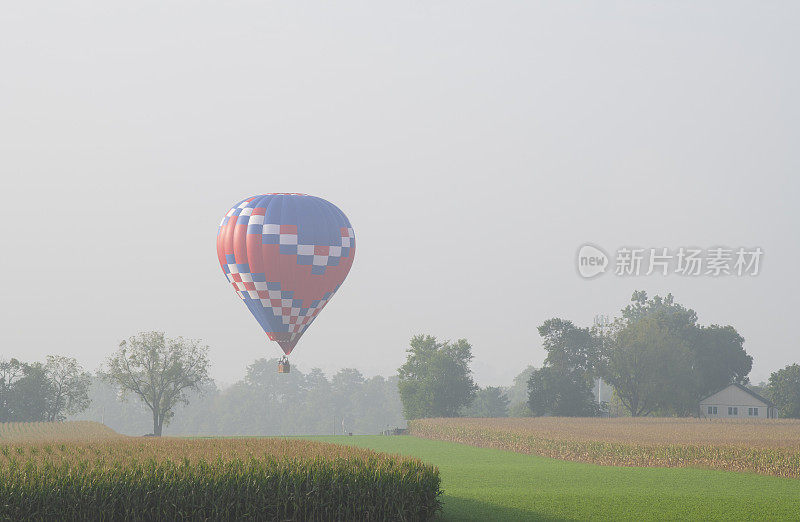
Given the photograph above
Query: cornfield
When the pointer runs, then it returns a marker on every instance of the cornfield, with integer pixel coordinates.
(211, 479)
(74, 430)
(767, 447)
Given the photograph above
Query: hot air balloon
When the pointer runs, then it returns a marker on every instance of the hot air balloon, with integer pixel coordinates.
(285, 255)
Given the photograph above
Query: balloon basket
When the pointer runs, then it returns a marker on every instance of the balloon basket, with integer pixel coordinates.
(283, 367)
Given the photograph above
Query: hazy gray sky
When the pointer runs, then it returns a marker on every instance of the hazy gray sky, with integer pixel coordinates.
(473, 145)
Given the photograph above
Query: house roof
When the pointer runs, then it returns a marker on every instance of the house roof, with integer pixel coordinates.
(744, 389)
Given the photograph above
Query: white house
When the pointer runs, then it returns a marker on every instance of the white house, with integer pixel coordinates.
(736, 401)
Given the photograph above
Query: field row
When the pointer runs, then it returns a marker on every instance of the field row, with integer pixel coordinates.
(730, 446)
(74, 430)
(219, 479)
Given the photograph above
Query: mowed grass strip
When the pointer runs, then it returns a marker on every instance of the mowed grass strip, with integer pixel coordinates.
(489, 484)
(211, 479)
(768, 447)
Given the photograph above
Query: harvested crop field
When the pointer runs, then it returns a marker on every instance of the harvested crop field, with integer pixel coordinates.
(219, 479)
(769, 447)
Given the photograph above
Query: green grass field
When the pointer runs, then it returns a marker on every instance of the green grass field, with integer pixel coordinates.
(487, 484)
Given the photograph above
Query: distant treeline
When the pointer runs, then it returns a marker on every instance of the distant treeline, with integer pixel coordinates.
(264, 403)
(656, 357)
(42, 392)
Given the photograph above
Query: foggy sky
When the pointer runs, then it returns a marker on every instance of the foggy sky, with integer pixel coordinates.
(473, 145)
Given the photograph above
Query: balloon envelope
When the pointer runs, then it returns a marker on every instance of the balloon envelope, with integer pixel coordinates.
(285, 255)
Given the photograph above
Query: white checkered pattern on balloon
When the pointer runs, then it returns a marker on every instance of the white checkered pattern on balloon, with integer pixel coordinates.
(318, 256)
(280, 302)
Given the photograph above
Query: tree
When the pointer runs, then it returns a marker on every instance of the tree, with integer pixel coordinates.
(36, 392)
(159, 370)
(10, 372)
(563, 386)
(382, 406)
(784, 390)
(517, 394)
(561, 392)
(660, 360)
(274, 387)
(348, 393)
(69, 387)
(264, 403)
(488, 402)
(674, 317)
(569, 347)
(316, 412)
(761, 388)
(30, 397)
(436, 380)
(718, 359)
(647, 366)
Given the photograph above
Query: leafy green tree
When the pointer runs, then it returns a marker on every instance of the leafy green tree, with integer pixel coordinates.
(569, 347)
(382, 407)
(274, 387)
(264, 403)
(518, 391)
(648, 366)
(718, 359)
(436, 380)
(563, 386)
(784, 390)
(489, 402)
(517, 394)
(347, 386)
(761, 388)
(521, 409)
(673, 317)
(560, 392)
(30, 397)
(10, 372)
(660, 360)
(69, 387)
(42, 392)
(316, 412)
(159, 370)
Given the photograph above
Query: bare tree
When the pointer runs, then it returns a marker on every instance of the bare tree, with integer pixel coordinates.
(159, 370)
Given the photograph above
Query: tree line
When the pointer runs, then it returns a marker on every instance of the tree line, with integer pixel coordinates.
(656, 356)
(263, 402)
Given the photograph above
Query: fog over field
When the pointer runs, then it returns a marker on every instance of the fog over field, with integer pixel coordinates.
(474, 146)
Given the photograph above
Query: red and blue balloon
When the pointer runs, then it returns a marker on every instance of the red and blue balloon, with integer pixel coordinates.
(285, 255)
